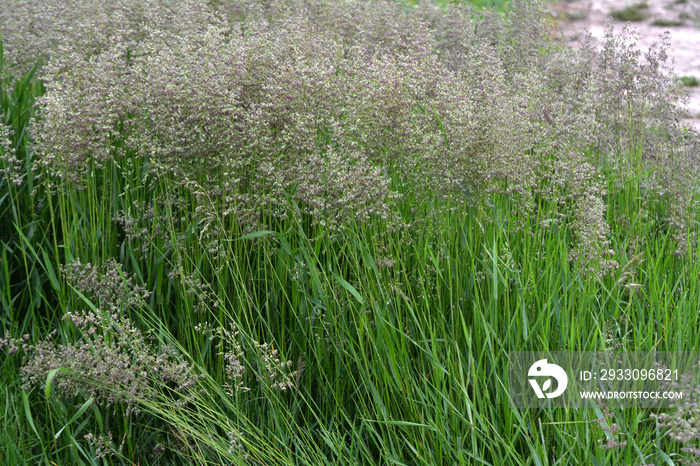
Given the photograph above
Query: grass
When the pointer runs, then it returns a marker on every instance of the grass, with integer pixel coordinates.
(633, 13)
(666, 23)
(402, 364)
(499, 4)
(689, 81)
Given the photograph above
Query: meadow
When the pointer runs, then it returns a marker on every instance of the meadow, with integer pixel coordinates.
(309, 232)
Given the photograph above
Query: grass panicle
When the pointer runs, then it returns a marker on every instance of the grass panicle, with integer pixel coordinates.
(310, 232)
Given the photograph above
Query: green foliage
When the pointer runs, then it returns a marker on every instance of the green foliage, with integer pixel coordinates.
(633, 13)
(689, 81)
(22, 208)
(666, 23)
(361, 308)
(489, 3)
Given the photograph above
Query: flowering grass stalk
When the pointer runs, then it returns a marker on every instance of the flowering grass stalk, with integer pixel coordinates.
(310, 233)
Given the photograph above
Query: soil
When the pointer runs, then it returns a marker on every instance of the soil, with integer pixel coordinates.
(652, 18)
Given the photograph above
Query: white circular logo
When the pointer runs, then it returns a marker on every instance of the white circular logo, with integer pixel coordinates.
(542, 369)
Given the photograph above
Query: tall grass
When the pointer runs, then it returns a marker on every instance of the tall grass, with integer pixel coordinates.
(384, 342)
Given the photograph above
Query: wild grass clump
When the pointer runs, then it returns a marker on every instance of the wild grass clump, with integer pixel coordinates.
(680, 422)
(280, 102)
(11, 165)
(111, 361)
(311, 232)
(632, 13)
(36, 31)
(689, 81)
(662, 22)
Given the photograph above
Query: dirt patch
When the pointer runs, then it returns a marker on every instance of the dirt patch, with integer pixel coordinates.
(651, 19)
